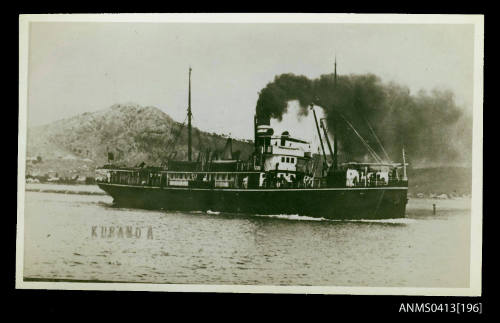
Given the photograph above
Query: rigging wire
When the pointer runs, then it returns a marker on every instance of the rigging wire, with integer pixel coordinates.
(373, 133)
(376, 137)
(174, 142)
(368, 147)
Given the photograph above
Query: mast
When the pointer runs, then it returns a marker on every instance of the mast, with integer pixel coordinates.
(189, 118)
(319, 135)
(405, 178)
(335, 144)
(334, 123)
(255, 133)
(326, 138)
(335, 72)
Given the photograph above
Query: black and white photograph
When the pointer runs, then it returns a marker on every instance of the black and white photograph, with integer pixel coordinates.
(251, 153)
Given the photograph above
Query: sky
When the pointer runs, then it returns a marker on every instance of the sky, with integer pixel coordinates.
(77, 67)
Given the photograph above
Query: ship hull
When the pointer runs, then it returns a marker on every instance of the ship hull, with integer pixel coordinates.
(329, 203)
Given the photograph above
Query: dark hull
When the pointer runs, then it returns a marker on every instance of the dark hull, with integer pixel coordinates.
(330, 203)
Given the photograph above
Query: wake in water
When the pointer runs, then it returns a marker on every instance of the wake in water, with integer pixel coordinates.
(106, 204)
(296, 217)
(390, 221)
(289, 217)
(293, 217)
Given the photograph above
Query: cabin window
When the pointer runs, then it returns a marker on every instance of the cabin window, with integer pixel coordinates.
(282, 159)
(287, 159)
(292, 160)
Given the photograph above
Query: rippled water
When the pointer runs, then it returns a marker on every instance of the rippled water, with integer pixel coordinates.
(65, 239)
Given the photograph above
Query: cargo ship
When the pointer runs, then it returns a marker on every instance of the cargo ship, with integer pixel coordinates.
(281, 177)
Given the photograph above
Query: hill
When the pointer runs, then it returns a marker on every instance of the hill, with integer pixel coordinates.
(133, 133)
(439, 180)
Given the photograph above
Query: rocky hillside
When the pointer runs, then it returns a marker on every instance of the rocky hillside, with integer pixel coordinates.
(134, 134)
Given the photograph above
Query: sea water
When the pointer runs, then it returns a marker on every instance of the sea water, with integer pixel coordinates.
(72, 237)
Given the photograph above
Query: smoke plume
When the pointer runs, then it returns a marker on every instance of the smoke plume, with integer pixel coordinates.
(430, 126)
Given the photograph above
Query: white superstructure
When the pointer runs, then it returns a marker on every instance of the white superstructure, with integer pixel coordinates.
(283, 154)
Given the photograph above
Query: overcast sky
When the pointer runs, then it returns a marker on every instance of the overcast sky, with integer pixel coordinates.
(80, 67)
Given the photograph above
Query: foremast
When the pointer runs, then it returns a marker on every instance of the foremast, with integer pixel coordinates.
(189, 115)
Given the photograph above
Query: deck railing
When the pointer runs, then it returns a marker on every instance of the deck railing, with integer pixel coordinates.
(228, 180)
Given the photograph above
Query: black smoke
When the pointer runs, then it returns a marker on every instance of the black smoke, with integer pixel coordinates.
(430, 126)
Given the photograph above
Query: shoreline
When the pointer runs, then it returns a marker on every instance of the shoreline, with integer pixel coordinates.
(78, 189)
(39, 190)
